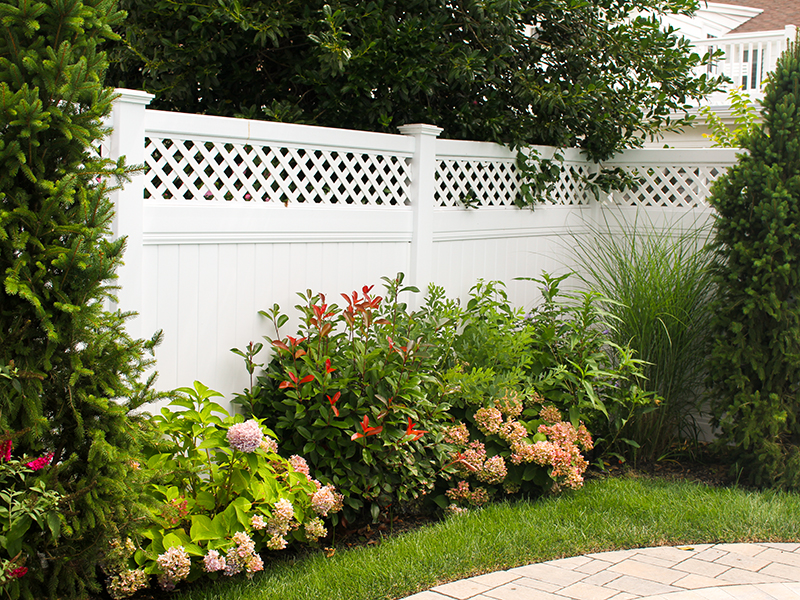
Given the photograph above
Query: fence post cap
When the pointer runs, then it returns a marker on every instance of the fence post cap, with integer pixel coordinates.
(420, 129)
(134, 96)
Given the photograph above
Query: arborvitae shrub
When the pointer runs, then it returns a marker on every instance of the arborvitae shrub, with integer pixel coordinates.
(78, 369)
(755, 362)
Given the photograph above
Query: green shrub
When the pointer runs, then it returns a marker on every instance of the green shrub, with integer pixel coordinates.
(660, 285)
(79, 372)
(28, 511)
(559, 357)
(223, 494)
(755, 363)
(356, 394)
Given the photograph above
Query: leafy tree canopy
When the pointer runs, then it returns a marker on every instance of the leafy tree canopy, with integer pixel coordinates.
(597, 74)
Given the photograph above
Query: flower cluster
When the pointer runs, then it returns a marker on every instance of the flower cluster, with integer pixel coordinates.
(457, 434)
(279, 524)
(561, 451)
(493, 470)
(127, 583)
(242, 556)
(455, 509)
(513, 431)
(299, 465)
(269, 445)
(175, 565)
(509, 404)
(213, 561)
(326, 500)
(489, 420)
(40, 463)
(550, 414)
(5, 451)
(315, 529)
(461, 493)
(245, 437)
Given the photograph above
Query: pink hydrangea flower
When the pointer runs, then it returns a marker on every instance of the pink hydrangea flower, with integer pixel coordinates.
(489, 420)
(513, 431)
(213, 561)
(315, 529)
(245, 437)
(326, 500)
(269, 445)
(509, 404)
(299, 464)
(175, 565)
(257, 522)
(457, 434)
(276, 543)
(550, 414)
(493, 471)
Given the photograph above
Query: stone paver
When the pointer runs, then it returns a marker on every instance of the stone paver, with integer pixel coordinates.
(768, 571)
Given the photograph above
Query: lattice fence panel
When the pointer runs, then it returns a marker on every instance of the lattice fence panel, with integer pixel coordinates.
(570, 189)
(196, 170)
(476, 183)
(671, 186)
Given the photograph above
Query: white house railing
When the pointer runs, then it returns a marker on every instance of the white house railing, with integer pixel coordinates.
(749, 57)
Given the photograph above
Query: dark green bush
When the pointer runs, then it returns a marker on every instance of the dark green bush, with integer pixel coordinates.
(78, 371)
(355, 393)
(755, 364)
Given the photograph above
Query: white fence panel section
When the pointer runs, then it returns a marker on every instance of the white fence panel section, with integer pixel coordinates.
(232, 216)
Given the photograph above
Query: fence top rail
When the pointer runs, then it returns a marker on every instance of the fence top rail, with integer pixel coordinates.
(676, 157)
(206, 128)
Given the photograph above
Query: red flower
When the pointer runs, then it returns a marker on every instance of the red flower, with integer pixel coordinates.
(5, 451)
(17, 573)
(367, 429)
(417, 433)
(333, 400)
(40, 463)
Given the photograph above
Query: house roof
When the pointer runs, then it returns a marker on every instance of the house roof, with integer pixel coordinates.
(776, 14)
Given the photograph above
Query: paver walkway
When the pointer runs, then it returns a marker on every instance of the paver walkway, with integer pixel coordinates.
(697, 572)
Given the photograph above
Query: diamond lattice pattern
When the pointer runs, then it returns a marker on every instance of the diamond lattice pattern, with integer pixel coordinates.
(477, 183)
(196, 170)
(677, 187)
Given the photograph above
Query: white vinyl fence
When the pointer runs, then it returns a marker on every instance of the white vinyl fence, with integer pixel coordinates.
(231, 216)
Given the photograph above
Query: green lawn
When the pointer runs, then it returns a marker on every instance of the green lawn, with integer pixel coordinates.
(606, 514)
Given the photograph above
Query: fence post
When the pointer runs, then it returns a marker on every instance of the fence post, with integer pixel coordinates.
(127, 139)
(423, 187)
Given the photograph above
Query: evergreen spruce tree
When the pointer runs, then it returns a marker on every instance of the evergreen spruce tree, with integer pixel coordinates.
(755, 363)
(79, 371)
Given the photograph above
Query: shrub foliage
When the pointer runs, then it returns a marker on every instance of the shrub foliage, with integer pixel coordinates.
(77, 369)
(755, 365)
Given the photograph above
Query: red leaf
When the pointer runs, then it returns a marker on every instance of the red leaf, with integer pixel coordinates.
(306, 379)
(281, 345)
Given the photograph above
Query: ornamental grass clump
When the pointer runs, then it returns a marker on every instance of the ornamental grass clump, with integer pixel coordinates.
(224, 496)
(657, 286)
